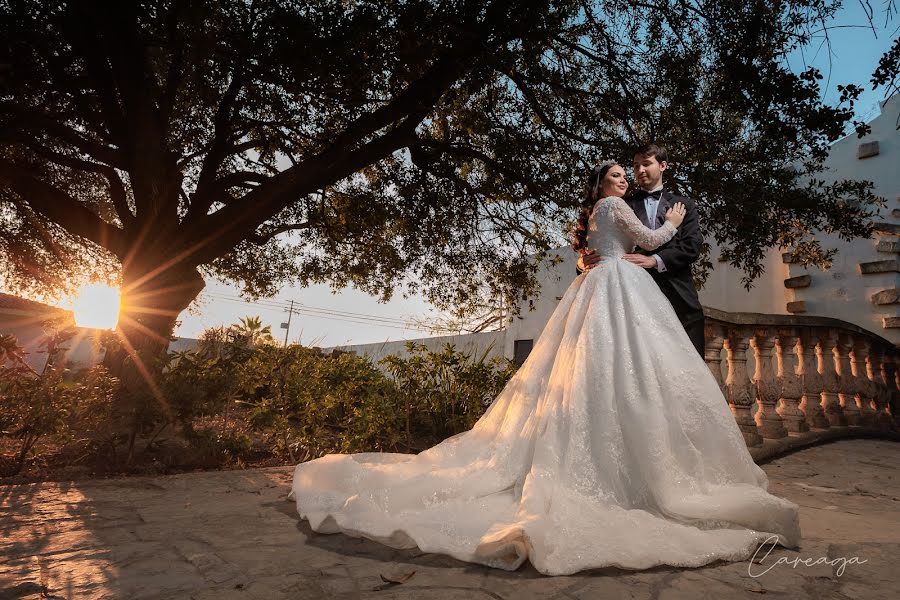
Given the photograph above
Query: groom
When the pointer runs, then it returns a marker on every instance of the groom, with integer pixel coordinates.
(670, 264)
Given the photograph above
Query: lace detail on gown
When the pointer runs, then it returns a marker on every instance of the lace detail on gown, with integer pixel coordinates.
(612, 445)
(629, 227)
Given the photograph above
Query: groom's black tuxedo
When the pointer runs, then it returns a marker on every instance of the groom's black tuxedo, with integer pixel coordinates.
(676, 282)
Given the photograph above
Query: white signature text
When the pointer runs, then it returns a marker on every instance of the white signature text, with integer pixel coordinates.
(809, 562)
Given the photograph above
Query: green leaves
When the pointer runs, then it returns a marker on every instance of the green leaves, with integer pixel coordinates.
(34, 405)
(446, 392)
(437, 146)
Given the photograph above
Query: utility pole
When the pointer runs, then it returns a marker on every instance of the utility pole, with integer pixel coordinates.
(287, 326)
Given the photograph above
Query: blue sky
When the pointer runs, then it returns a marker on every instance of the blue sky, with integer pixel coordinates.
(352, 317)
(854, 54)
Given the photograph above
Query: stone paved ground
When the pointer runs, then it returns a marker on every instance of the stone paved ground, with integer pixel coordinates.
(234, 535)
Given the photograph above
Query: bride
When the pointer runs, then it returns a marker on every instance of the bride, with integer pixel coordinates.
(612, 445)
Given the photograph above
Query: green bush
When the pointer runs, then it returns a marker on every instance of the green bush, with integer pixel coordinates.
(34, 405)
(95, 425)
(303, 404)
(308, 404)
(444, 393)
(214, 448)
(288, 403)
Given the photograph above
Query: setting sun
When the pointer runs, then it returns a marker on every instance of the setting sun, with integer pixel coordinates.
(96, 306)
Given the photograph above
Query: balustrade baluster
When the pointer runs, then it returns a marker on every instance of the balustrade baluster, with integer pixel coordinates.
(864, 386)
(715, 340)
(767, 418)
(739, 392)
(811, 380)
(827, 358)
(847, 391)
(789, 384)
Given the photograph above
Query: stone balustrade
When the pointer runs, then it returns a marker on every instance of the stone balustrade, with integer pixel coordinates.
(796, 376)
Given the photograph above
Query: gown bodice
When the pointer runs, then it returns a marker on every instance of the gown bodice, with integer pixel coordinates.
(614, 229)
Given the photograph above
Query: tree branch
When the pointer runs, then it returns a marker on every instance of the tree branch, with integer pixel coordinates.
(26, 119)
(239, 177)
(423, 92)
(225, 228)
(114, 182)
(470, 152)
(535, 104)
(242, 147)
(261, 239)
(62, 209)
(218, 150)
(220, 231)
(176, 66)
(98, 70)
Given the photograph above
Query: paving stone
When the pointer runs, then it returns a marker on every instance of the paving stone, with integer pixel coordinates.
(233, 534)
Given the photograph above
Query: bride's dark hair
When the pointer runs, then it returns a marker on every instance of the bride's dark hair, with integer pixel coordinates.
(591, 195)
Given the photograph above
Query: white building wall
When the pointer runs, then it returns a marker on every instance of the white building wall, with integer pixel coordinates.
(490, 342)
(554, 280)
(723, 289)
(29, 334)
(843, 292)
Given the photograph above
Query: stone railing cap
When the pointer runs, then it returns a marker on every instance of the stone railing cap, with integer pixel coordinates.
(749, 319)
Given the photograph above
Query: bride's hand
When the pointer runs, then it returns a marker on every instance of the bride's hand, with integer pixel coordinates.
(675, 215)
(588, 259)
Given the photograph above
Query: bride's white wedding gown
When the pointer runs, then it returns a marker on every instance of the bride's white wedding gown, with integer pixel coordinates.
(611, 445)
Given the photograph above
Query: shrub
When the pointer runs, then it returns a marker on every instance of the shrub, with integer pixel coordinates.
(31, 404)
(308, 404)
(95, 422)
(445, 392)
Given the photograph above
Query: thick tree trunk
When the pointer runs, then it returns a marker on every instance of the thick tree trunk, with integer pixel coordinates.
(152, 298)
(151, 303)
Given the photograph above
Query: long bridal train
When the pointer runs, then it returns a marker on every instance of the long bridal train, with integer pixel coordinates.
(611, 446)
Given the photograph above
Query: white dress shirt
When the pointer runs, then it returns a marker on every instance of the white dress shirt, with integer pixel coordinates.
(651, 204)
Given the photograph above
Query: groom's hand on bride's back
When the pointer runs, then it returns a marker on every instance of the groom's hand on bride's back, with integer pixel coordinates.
(587, 261)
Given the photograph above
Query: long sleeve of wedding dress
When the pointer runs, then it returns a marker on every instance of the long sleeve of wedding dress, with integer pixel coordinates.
(612, 445)
(625, 219)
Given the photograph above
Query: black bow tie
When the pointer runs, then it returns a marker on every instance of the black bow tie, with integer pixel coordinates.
(655, 194)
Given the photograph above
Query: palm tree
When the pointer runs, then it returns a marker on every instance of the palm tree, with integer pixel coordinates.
(251, 332)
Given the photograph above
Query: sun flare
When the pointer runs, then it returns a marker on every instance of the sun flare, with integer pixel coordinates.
(96, 306)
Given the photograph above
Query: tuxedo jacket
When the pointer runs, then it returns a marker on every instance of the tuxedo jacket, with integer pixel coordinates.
(678, 253)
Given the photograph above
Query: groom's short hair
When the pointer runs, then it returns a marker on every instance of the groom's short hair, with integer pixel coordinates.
(653, 150)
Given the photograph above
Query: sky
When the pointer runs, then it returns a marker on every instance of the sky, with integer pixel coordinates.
(352, 317)
(855, 51)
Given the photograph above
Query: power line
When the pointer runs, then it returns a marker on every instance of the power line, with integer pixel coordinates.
(345, 316)
(285, 305)
(340, 315)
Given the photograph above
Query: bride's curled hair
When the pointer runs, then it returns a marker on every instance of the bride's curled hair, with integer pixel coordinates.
(591, 195)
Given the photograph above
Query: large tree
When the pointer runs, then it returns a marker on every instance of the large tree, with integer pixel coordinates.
(370, 142)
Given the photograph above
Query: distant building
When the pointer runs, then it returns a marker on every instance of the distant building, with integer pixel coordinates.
(861, 287)
(491, 343)
(26, 320)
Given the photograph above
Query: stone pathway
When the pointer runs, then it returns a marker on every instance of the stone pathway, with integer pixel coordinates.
(234, 535)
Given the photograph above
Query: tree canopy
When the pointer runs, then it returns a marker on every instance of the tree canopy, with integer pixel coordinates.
(371, 142)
